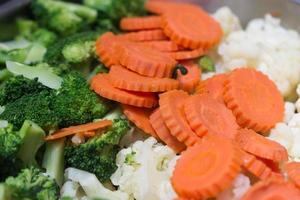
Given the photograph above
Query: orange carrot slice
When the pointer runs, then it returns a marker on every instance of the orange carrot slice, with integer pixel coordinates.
(207, 116)
(102, 86)
(140, 117)
(146, 61)
(293, 171)
(172, 110)
(163, 132)
(163, 45)
(272, 189)
(260, 146)
(79, 129)
(190, 80)
(274, 166)
(254, 99)
(161, 7)
(213, 86)
(89, 133)
(140, 23)
(203, 171)
(186, 54)
(123, 78)
(148, 35)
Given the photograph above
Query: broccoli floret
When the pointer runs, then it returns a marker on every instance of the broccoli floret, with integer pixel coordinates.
(31, 183)
(64, 18)
(206, 64)
(18, 86)
(128, 8)
(98, 154)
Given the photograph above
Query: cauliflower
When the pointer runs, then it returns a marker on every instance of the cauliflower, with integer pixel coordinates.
(144, 171)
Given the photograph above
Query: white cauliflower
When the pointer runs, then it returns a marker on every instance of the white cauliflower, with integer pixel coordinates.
(144, 171)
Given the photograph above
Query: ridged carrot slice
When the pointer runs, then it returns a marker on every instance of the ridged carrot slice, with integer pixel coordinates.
(213, 86)
(140, 117)
(293, 171)
(163, 45)
(145, 60)
(102, 86)
(186, 54)
(272, 189)
(172, 110)
(274, 166)
(140, 23)
(258, 145)
(148, 35)
(207, 116)
(191, 79)
(161, 7)
(254, 99)
(163, 132)
(203, 171)
(123, 78)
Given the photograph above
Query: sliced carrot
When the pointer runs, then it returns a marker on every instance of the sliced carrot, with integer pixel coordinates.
(163, 6)
(123, 78)
(163, 45)
(89, 133)
(207, 116)
(172, 110)
(140, 117)
(260, 146)
(186, 54)
(145, 60)
(272, 189)
(163, 132)
(293, 171)
(79, 129)
(213, 86)
(254, 99)
(274, 166)
(102, 86)
(140, 23)
(191, 79)
(199, 31)
(203, 171)
(148, 35)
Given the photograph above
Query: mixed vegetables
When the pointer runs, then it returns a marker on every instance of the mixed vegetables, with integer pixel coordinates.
(98, 96)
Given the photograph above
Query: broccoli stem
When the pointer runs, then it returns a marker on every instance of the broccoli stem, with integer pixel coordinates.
(53, 160)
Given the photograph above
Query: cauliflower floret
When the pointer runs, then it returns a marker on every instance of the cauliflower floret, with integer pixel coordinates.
(144, 171)
(289, 111)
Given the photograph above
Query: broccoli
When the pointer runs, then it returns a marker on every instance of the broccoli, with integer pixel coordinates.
(98, 154)
(31, 183)
(206, 64)
(64, 18)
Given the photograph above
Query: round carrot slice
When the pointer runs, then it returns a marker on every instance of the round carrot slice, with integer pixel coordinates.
(260, 146)
(148, 35)
(272, 189)
(145, 60)
(164, 45)
(293, 171)
(161, 7)
(123, 78)
(254, 99)
(207, 115)
(213, 86)
(140, 117)
(203, 171)
(172, 110)
(163, 132)
(190, 80)
(140, 23)
(199, 31)
(186, 54)
(102, 86)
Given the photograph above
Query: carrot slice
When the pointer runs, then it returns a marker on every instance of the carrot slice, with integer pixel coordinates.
(203, 171)
(186, 54)
(164, 45)
(254, 99)
(272, 189)
(140, 23)
(145, 60)
(172, 110)
(190, 80)
(102, 86)
(123, 78)
(207, 116)
(293, 171)
(274, 166)
(161, 7)
(79, 129)
(213, 86)
(140, 117)
(89, 133)
(163, 132)
(199, 31)
(260, 146)
(148, 35)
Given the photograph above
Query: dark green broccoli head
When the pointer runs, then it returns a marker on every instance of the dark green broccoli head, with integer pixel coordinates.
(18, 86)
(128, 8)
(98, 154)
(31, 183)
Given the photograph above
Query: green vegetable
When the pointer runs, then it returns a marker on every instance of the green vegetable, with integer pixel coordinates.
(98, 154)
(206, 64)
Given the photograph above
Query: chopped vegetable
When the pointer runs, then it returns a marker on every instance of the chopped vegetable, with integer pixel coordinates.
(292, 169)
(190, 80)
(206, 64)
(186, 54)
(140, 23)
(148, 35)
(163, 45)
